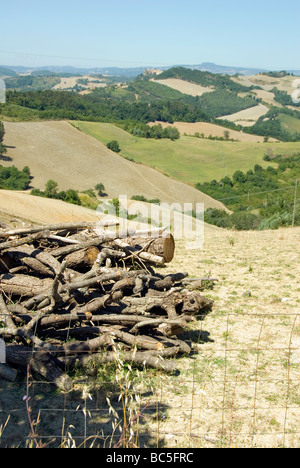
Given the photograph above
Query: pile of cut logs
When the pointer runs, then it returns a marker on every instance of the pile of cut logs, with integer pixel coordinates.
(78, 292)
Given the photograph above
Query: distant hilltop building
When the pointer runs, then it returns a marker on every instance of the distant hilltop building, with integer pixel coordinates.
(152, 71)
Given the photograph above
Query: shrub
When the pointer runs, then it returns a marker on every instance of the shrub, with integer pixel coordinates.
(155, 201)
(243, 221)
(70, 196)
(114, 146)
(13, 179)
(100, 189)
(217, 217)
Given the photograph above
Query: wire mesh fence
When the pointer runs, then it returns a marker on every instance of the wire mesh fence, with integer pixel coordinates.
(238, 388)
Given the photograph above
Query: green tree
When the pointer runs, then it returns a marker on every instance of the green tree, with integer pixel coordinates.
(239, 177)
(114, 146)
(2, 133)
(72, 197)
(226, 135)
(51, 189)
(100, 189)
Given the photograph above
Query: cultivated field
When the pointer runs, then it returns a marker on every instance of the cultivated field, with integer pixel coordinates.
(208, 129)
(185, 87)
(267, 97)
(189, 159)
(70, 83)
(58, 151)
(247, 117)
(267, 83)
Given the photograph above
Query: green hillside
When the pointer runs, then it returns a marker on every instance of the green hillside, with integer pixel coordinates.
(144, 100)
(289, 123)
(32, 83)
(203, 78)
(191, 160)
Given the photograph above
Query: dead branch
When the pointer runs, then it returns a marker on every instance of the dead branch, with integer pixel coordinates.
(98, 287)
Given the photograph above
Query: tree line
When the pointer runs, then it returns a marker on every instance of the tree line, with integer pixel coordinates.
(259, 198)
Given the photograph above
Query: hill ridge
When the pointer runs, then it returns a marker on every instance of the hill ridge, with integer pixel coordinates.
(56, 150)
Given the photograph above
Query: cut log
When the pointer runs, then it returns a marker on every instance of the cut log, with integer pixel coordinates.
(65, 292)
(167, 327)
(82, 259)
(147, 358)
(94, 242)
(25, 240)
(41, 362)
(59, 227)
(25, 251)
(24, 256)
(7, 373)
(161, 246)
(135, 251)
(23, 285)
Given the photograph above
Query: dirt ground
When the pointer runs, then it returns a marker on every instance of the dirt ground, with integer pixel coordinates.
(240, 386)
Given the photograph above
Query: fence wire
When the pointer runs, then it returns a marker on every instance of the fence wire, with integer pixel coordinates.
(238, 388)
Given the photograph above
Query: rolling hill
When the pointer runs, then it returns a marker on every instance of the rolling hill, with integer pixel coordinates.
(188, 159)
(178, 94)
(23, 207)
(58, 151)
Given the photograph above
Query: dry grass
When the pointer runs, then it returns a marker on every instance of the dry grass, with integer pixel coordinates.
(69, 83)
(247, 117)
(58, 151)
(208, 129)
(240, 389)
(267, 83)
(28, 208)
(185, 87)
(267, 97)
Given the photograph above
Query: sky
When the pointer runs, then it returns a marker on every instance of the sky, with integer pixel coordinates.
(135, 33)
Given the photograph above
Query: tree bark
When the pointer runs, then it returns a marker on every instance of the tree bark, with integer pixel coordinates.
(135, 251)
(7, 373)
(140, 358)
(59, 227)
(25, 240)
(22, 285)
(82, 259)
(41, 362)
(162, 246)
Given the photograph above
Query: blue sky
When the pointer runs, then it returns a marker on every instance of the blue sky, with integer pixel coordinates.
(132, 33)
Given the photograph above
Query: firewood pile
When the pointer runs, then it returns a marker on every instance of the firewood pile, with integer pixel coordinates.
(75, 293)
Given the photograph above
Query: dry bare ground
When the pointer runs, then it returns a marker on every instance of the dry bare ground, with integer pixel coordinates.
(28, 208)
(267, 97)
(185, 87)
(240, 387)
(58, 151)
(211, 130)
(247, 117)
(267, 83)
(69, 83)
